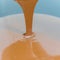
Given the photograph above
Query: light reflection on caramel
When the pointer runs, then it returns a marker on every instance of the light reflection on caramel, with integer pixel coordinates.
(21, 50)
(27, 49)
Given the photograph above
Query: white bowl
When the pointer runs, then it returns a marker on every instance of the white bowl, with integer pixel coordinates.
(46, 27)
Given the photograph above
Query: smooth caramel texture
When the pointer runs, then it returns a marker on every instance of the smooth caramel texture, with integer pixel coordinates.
(28, 10)
(21, 50)
(27, 50)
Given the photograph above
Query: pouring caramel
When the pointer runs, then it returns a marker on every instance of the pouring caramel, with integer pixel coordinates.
(28, 10)
(27, 49)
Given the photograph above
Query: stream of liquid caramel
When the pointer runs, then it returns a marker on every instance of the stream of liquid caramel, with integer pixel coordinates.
(28, 10)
